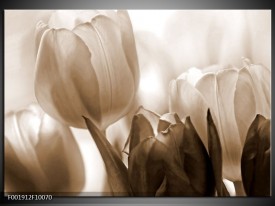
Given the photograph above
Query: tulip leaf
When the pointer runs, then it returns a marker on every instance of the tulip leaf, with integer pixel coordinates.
(146, 172)
(215, 153)
(255, 162)
(116, 170)
(197, 164)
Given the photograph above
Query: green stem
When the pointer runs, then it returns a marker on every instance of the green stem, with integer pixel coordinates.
(239, 188)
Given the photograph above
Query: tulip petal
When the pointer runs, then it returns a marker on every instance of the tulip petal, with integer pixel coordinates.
(20, 133)
(166, 120)
(140, 129)
(192, 76)
(262, 87)
(207, 88)
(255, 162)
(177, 181)
(36, 110)
(17, 177)
(128, 43)
(155, 159)
(28, 125)
(196, 161)
(172, 138)
(152, 117)
(69, 19)
(146, 167)
(187, 101)
(103, 38)
(215, 153)
(60, 157)
(219, 93)
(40, 30)
(116, 170)
(66, 85)
(245, 103)
(226, 83)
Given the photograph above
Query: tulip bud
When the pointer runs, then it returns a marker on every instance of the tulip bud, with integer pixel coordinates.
(167, 157)
(41, 154)
(234, 97)
(87, 67)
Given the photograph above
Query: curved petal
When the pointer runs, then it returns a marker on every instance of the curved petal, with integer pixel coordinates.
(144, 125)
(262, 87)
(17, 177)
(22, 135)
(186, 100)
(60, 157)
(244, 103)
(172, 138)
(230, 138)
(207, 88)
(66, 85)
(102, 37)
(69, 19)
(166, 120)
(128, 43)
(219, 91)
(140, 129)
(197, 163)
(41, 27)
(192, 76)
(152, 117)
(36, 110)
(177, 181)
(146, 167)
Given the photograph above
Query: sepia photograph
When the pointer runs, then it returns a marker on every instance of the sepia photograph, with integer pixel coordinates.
(137, 103)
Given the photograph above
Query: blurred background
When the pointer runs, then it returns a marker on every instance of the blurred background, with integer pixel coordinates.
(168, 43)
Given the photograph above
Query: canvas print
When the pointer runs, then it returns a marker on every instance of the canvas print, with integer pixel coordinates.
(153, 103)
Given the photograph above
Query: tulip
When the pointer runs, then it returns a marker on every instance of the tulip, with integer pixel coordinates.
(86, 66)
(234, 97)
(41, 154)
(167, 157)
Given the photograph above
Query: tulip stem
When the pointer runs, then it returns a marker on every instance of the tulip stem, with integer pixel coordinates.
(239, 188)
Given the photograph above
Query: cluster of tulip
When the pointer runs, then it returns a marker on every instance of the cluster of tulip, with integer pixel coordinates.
(87, 76)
